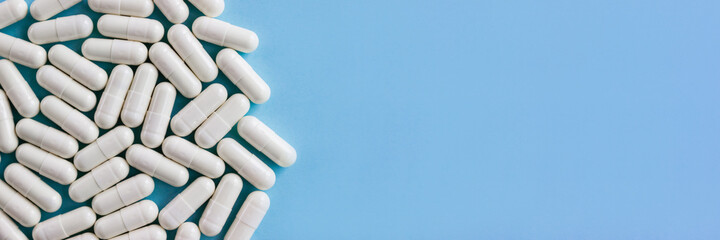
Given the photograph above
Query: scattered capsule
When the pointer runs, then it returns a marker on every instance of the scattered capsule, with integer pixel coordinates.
(192, 52)
(222, 121)
(47, 138)
(67, 89)
(22, 52)
(131, 28)
(8, 229)
(156, 165)
(72, 121)
(249, 166)
(18, 90)
(65, 225)
(225, 34)
(158, 115)
(84, 236)
(45, 163)
(17, 207)
(138, 97)
(112, 99)
(188, 231)
(243, 76)
(100, 178)
(31, 186)
(152, 232)
(186, 203)
(61, 29)
(105, 147)
(195, 112)
(190, 155)
(127, 219)
(211, 8)
(136, 8)
(176, 11)
(266, 141)
(15, 10)
(8, 139)
(42, 10)
(79, 68)
(173, 68)
(220, 205)
(115, 51)
(123, 194)
(249, 217)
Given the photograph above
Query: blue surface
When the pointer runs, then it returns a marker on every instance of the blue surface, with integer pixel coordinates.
(503, 119)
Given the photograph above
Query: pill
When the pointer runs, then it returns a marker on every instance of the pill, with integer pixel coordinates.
(8, 229)
(67, 89)
(110, 104)
(127, 219)
(211, 8)
(190, 155)
(188, 231)
(152, 232)
(156, 165)
(173, 68)
(225, 34)
(17, 207)
(243, 76)
(123, 194)
(186, 203)
(12, 12)
(138, 97)
(192, 52)
(249, 166)
(79, 68)
(195, 112)
(42, 10)
(32, 187)
(22, 52)
(72, 121)
(45, 163)
(105, 147)
(84, 236)
(47, 138)
(115, 51)
(100, 178)
(136, 8)
(131, 28)
(221, 121)
(18, 90)
(176, 11)
(266, 141)
(65, 225)
(249, 217)
(157, 118)
(220, 205)
(60, 29)
(8, 139)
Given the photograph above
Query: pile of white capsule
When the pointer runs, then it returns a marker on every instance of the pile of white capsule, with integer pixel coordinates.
(118, 209)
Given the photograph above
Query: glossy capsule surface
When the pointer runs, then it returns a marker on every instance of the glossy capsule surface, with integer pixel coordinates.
(243, 76)
(32, 187)
(176, 11)
(17, 207)
(249, 217)
(127, 219)
(190, 155)
(123, 194)
(12, 11)
(8, 229)
(105, 147)
(266, 141)
(225, 34)
(157, 118)
(22, 52)
(188, 231)
(222, 121)
(115, 51)
(69, 119)
(45, 137)
(137, 8)
(60, 29)
(186, 203)
(175, 70)
(84, 236)
(131, 28)
(65, 225)
(77, 67)
(211, 8)
(156, 165)
(199, 109)
(18, 90)
(8, 138)
(42, 10)
(152, 232)
(192, 52)
(67, 89)
(138, 97)
(100, 178)
(249, 166)
(110, 104)
(45, 163)
(220, 205)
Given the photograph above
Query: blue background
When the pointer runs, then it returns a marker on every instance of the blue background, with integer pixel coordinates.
(495, 119)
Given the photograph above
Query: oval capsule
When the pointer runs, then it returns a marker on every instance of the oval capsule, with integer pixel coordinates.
(18, 90)
(67, 89)
(60, 29)
(110, 104)
(243, 76)
(127, 219)
(14, 11)
(188, 231)
(78, 67)
(211, 8)
(249, 217)
(173, 68)
(152, 232)
(22, 52)
(8, 229)
(176, 11)
(105, 147)
(45, 137)
(192, 52)
(136, 8)
(115, 51)
(156, 165)
(32, 187)
(8, 139)
(123, 194)
(17, 207)
(84, 236)
(42, 10)
(186, 203)
(100, 178)
(45, 163)
(65, 225)
(222, 121)
(225, 34)
(131, 28)
(246, 164)
(138, 97)
(266, 141)
(220, 205)
(157, 118)
(190, 155)
(195, 112)
(72, 121)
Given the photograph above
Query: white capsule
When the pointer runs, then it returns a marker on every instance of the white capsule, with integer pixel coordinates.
(78, 67)
(190, 155)
(131, 28)
(8, 139)
(246, 164)
(31, 186)
(123, 194)
(221, 121)
(67, 89)
(22, 52)
(176, 11)
(156, 165)
(99, 179)
(186, 203)
(72, 121)
(243, 76)
(192, 52)
(8, 229)
(112, 99)
(158, 115)
(105, 147)
(115, 51)
(127, 219)
(60, 29)
(47, 138)
(138, 97)
(195, 112)
(225, 34)
(84, 236)
(45, 163)
(18, 90)
(266, 141)
(17, 207)
(65, 225)
(136, 8)
(173, 68)
(152, 232)
(249, 217)
(220, 205)
(42, 10)
(211, 8)
(188, 231)
(13, 11)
